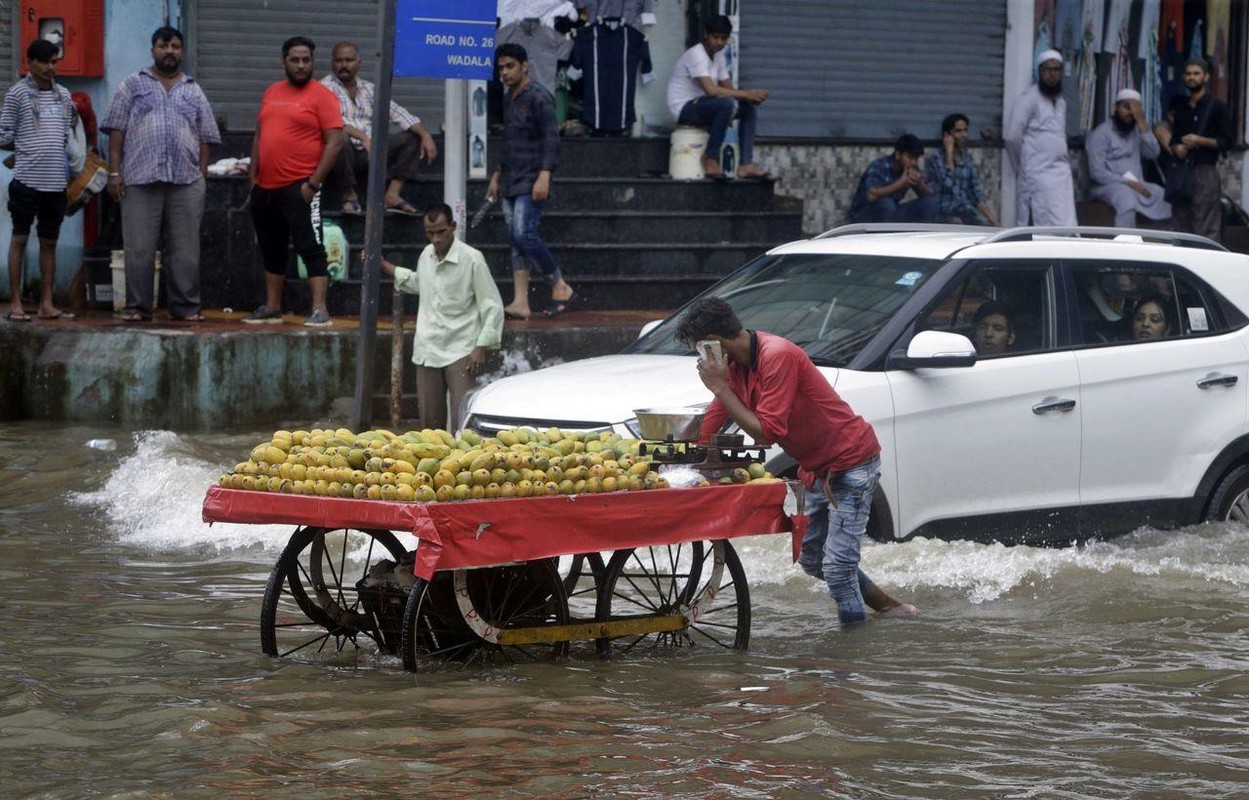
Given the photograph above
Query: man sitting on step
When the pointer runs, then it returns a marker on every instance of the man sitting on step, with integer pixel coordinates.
(887, 180)
(701, 94)
(405, 149)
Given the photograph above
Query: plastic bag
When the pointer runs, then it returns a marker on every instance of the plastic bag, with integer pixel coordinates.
(336, 251)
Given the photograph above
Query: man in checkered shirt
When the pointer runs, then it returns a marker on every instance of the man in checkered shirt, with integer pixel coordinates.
(405, 149)
(159, 127)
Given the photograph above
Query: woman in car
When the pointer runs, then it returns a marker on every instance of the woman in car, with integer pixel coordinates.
(1151, 319)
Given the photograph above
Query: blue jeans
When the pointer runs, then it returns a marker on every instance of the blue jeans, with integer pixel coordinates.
(830, 548)
(886, 209)
(967, 215)
(715, 114)
(522, 214)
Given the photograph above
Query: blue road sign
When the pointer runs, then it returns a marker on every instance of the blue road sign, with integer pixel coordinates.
(445, 38)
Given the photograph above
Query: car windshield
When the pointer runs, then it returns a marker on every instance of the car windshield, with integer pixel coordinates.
(831, 305)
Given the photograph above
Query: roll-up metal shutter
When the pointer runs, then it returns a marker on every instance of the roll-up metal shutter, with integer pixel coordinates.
(238, 52)
(8, 45)
(854, 69)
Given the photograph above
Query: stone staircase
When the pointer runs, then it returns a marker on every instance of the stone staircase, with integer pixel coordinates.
(625, 235)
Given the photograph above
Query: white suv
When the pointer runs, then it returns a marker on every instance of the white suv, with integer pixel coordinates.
(1077, 429)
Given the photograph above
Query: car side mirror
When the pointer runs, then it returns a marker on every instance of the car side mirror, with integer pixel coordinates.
(934, 350)
(648, 327)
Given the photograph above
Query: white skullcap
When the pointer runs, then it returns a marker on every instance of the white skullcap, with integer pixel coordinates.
(1049, 55)
(1128, 94)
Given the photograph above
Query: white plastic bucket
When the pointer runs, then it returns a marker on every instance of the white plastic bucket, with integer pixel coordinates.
(685, 155)
(118, 265)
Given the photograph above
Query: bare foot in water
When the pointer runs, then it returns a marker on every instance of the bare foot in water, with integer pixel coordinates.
(900, 610)
(882, 603)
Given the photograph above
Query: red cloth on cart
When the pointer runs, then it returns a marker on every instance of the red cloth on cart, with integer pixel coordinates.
(481, 533)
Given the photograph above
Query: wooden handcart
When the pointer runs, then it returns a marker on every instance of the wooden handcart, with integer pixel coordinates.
(511, 579)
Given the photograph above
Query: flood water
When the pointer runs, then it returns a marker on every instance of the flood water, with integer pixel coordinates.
(130, 667)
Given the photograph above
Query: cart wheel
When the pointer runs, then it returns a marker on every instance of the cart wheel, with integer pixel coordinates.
(581, 574)
(456, 617)
(328, 589)
(707, 584)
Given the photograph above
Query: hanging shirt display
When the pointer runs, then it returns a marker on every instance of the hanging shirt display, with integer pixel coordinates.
(545, 47)
(1086, 71)
(608, 54)
(546, 10)
(1218, 27)
(637, 13)
(1151, 80)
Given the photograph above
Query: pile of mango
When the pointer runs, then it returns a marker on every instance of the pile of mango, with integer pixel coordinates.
(433, 465)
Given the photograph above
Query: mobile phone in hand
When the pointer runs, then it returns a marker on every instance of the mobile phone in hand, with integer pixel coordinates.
(709, 351)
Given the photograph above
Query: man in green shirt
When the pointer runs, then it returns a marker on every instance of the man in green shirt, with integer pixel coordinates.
(461, 317)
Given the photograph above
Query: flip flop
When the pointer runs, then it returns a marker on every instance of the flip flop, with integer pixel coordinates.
(402, 207)
(196, 317)
(516, 317)
(352, 207)
(19, 317)
(560, 306)
(65, 315)
(133, 316)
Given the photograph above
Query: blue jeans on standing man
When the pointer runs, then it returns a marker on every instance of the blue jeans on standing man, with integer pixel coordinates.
(715, 114)
(830, 548)
(522, 214)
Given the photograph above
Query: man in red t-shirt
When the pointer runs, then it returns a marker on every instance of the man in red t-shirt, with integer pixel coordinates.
(770, 388)
(299, 132)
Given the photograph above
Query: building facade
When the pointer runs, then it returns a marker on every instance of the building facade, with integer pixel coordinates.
(846, 77)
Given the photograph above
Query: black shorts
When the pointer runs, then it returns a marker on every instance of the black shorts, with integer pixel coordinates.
(26, 203)
(281, 216)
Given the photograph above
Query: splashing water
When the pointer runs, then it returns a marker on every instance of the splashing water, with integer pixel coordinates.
(153, 499)
(987, 572)
(516, 361)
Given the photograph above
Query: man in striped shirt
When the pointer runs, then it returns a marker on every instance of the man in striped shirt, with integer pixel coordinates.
(35, 122)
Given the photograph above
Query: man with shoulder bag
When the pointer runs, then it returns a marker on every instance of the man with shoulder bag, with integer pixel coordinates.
(1202, 133)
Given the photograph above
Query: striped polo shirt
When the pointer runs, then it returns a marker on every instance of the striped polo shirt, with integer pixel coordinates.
(36, 122)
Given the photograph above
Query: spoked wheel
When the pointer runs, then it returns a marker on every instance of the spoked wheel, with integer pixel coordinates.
(330, 591)
(581, 575)
(463, 617)
(703, 582)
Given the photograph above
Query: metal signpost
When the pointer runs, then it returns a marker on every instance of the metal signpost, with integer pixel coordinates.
(449, 39)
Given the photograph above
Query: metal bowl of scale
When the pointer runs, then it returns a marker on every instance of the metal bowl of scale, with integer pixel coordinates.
(677, 424)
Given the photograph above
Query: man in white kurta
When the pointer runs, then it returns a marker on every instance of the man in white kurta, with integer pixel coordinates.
(1036, 142)
(1114, 150)
(460, 319)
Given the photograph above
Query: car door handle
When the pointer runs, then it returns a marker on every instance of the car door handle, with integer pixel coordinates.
(1053, 404)
(1214, 379)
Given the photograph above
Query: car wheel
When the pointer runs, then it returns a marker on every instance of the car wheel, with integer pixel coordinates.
(1230, 500)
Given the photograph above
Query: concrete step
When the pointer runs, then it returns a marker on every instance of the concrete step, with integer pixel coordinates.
(575, 195)
(608, 227)
(578, 156)
(609, 260)
(223, 374)
(595, 294)
(579, 195)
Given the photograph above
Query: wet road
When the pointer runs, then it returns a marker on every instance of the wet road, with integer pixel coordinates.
(131, 667)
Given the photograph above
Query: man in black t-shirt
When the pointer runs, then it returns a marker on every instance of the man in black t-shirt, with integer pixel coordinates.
(1203, 131)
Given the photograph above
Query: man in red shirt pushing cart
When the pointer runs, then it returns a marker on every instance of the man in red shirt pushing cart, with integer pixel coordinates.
(773, 391)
